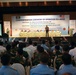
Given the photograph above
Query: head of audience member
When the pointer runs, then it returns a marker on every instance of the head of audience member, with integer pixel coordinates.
(40, 49)
(50, 42)
(8, 47)
(14, 44)
(5, 59)
(65, 49)
(47, 42)
(1, 43)
(21, 45)
(35, 44)
(72, 44)
(43, 41)
(30, 42)
(44, 58)
(57, 48)
(56, 42)
(67, 74)
(19, 52)
(66, 59)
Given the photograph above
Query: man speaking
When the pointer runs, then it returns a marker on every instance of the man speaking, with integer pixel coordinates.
(47, 31)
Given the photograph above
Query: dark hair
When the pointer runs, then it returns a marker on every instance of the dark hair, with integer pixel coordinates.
(43, 41)
(30, 41)
(22, 45)
(20, 51)
(65, 48)
(57, 47)
(72, 43)
(66, 58)
(8, 47)
(35, 43)
(5, 59)
(56, 42)
(40, 49)
(44, 57)
(1, 43)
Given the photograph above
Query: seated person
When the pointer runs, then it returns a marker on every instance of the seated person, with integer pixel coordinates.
(17, 66)
(6, 69)
(56, 43)
(68, 67)
(19, 57)
(42, 68)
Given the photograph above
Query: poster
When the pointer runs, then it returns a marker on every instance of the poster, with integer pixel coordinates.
(34, 25)
(7, 27)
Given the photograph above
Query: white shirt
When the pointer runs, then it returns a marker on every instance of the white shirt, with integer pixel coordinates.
(30, 50)
(72, 52)
(2, 49)
(19, 67)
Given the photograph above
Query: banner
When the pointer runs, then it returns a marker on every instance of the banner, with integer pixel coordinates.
(72, 27)
(37, 23)
(7, 27)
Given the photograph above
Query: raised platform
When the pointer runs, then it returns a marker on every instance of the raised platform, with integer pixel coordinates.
(36, 34)
(69, 38)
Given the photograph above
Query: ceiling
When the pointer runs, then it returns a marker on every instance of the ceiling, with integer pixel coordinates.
(23, 6)
(36, 6)
(15, 3)
(32, 0)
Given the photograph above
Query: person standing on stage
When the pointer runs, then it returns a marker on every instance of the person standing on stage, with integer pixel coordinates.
(47, 31)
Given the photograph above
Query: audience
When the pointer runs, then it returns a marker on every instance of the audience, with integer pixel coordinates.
(56, 44)
(68, 67)
(2, 48)
(37, 58)
(42, 68)
(65, 49)
(35, 44)
(57, 57)
(72, 45)
(72, 52)
(6, 69)
(57, 50)
(19, 56)
(19, 67)
(44, 45)
(31, 48)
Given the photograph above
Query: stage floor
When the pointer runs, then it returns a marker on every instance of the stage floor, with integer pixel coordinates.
(38, 34)
(68, 37)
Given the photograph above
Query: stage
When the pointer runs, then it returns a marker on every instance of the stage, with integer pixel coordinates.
(69, 38)
(38, 34)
